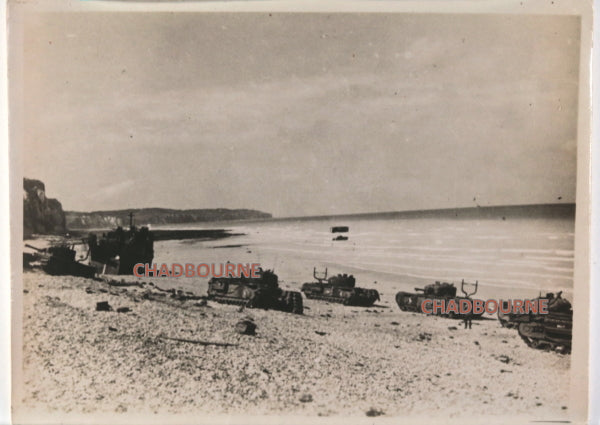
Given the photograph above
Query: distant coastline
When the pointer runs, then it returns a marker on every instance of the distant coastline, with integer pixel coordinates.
(76, 220)
(110, 219)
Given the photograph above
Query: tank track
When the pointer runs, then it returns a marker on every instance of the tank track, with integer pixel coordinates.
(535, 335)
(340, 300)
(292, 302)
(228, 300)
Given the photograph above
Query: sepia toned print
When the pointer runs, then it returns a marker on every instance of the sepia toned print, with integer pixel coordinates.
(279, 214)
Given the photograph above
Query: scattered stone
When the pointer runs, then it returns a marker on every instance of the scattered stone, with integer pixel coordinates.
(103, 306)
(320, 333)
(504, 359)
(538, 404)
(452, 328)
(89, 290)
(504, 341)
(563, 407)
(110, 328)
(395, 323)
(425, 336)
(306, 398)
(505, 371)
(374, 412)
(123, 310)
(25, 291)
(245, 327)
(476, 342)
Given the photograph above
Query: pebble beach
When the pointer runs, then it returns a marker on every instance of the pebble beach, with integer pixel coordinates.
(166, 355)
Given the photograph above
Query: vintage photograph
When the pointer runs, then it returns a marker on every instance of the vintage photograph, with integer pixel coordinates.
(298, 214)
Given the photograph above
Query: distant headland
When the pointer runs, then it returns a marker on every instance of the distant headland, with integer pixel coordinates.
(113, 218)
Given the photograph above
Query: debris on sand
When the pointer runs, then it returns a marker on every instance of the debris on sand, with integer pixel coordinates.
(374, 412)
(320, 333)
(123, 310)
(103, 306)
(123, 283)
(193, 341)
(504, 358)
(245, 327)
(306, 398)
(424, 336)
(452, 328)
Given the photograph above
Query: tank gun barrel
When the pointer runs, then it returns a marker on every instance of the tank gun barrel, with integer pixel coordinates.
(36, 248)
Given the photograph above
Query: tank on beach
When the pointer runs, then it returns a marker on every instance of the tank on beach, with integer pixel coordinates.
(60, 260)
(339, 289)
(255, 292)
(551, 331)
(410, 301)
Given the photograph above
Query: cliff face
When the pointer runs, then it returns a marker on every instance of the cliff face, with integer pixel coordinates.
(142, 216)
(40, 214)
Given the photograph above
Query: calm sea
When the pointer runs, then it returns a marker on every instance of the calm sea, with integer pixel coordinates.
(526, 253)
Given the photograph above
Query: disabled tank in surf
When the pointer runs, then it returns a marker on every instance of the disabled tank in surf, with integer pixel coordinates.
(117, 251)
(551, 331)
(339, 289)
(255, 292)
(409, 301)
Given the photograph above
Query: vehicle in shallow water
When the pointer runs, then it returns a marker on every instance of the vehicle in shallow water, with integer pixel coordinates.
(339, 289)
(255, 292)
(551, 331)
(117, 251)
(410, 301)
(340, 229)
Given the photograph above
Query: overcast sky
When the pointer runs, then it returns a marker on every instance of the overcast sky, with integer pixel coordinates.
(301, 114)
